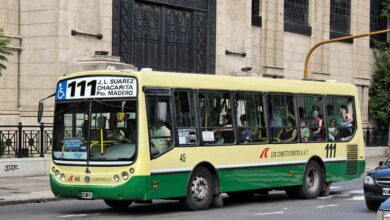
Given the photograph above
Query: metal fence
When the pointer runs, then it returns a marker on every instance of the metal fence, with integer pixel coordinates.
(375, 136)
(25, 140)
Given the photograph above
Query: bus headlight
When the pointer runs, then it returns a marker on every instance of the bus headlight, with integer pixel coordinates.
(57, 174)
(53, 169)
(125, 175)
(368, 180)
(116, 178)
(63, 177)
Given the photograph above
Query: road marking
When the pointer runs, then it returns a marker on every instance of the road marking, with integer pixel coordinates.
(78, 215)
(269, 213)
(357, 198)
(325, 206)
(359, 191)
(335, 188)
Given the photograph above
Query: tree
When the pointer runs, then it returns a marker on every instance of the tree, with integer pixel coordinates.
(4, 41)
(379, 104)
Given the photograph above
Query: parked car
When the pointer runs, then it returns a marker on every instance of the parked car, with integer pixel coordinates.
(377, 185)
(384, 211)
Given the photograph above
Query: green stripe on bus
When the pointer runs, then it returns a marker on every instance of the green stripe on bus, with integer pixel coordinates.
(172, 185)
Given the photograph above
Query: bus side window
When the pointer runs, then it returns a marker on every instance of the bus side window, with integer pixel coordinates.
(251, 125)
(311, 118)
(281, 115)
(185, 118)
(216, 118)
(340, 115)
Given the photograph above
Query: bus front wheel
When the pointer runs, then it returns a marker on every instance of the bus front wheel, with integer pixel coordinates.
(118, 204)
(200, 190)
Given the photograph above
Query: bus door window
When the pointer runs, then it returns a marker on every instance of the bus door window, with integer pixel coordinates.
(311, 118)
(281, 114)
(159, 116)
(216, 118)
(250, 110)
(185, 118)
(340, 116)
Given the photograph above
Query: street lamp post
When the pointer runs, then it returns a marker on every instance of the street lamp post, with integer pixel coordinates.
(306, 71)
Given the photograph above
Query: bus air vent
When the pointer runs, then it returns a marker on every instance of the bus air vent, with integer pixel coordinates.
(352, 159)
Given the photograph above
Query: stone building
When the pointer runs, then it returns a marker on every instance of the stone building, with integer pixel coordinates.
(54, 37)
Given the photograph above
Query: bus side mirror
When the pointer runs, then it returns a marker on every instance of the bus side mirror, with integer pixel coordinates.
(40, 112)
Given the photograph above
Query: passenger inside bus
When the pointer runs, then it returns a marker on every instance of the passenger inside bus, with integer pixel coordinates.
(288, 133)
(246, 135)
(316, 127)
(333, 131)
(305, 132)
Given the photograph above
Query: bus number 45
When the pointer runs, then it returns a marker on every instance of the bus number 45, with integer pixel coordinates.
(330, 150)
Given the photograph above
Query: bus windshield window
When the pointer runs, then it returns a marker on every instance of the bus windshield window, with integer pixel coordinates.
(112, 130)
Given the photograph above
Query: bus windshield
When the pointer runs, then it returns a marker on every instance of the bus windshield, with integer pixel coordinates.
(107, 128)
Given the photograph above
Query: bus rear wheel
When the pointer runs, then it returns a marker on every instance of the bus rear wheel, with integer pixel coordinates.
(313, 180)
(200, 190)
(118, 204)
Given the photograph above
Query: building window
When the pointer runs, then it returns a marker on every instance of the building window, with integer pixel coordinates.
(296, 17)
(340, 19)
(256, 18)
(377, 22)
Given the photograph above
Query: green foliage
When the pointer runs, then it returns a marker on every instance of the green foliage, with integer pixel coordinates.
(386, 8)
(4, 41)
(379, 104)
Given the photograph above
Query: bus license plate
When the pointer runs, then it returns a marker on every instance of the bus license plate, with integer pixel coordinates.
(386, 191)
(86, 195)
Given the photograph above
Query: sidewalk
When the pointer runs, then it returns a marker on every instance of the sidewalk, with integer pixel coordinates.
(19, 190)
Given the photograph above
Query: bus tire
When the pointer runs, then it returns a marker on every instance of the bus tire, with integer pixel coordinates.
(313, 180)
(200, 190)
(118, 204)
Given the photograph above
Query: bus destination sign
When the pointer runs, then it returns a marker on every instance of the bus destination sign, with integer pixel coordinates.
(96, 87)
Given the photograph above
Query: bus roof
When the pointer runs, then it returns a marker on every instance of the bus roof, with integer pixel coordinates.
(220, 82)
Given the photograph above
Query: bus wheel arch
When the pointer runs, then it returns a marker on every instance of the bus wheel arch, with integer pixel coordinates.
(202, 186)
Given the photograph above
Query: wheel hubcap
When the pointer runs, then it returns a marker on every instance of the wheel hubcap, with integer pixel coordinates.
(199, 188)
(312, 180)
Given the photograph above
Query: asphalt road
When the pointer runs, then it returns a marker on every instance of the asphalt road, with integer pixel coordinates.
(346, 202)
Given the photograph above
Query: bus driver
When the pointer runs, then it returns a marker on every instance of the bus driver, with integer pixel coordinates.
(160, 136)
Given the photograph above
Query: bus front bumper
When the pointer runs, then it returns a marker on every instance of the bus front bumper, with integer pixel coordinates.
(134, 189)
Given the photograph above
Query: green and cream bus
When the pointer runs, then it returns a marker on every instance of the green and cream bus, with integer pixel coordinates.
(125, 136)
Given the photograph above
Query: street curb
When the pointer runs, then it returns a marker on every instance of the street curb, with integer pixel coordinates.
(29, 201)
